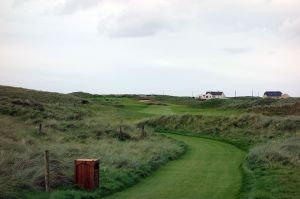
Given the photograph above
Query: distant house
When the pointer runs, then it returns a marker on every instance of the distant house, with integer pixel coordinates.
(275, 94)
(213, 95)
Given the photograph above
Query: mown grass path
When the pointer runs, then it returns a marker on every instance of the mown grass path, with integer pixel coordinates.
(209, 170)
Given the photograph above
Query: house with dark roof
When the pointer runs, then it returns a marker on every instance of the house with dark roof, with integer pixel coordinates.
(213, 95)
(274, 94)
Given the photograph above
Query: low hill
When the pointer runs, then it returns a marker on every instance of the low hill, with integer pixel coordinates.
(86, 125)
(72, 127)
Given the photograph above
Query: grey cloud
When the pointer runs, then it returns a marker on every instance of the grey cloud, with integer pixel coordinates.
(137, 19)
(72, 6)
(18, 2)
(135, 25)
(145, 28)
(236, 50)
(146, 20)
(291, 27)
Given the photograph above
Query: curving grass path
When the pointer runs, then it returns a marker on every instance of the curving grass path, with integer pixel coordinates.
(209, 169)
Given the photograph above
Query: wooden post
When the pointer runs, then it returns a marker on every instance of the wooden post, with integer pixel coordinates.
(47, 181)
(121, 133)
(40, 128)
(143, 131)
(121, 136)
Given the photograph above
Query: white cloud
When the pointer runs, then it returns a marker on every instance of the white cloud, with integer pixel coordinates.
(291, 27)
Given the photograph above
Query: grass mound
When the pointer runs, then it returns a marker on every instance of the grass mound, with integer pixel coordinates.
(274, 168)
(73, 127)
(243, 130)
(275, 153)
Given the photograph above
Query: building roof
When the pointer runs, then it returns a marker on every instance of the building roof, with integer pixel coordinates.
(273, 93)
(214, 92)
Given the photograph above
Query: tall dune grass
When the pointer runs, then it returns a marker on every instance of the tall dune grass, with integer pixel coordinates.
(21, 157)
(72, 128)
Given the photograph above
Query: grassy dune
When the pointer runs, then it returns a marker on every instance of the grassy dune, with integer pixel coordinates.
(80, 125)
(73, 127)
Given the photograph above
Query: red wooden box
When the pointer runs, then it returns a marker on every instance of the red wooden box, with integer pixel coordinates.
(87, 173)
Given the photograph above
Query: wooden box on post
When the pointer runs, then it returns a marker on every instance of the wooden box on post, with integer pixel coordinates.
(87, 173)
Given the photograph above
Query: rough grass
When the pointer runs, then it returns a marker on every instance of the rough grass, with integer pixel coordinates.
(275, 153)
(285, 109)
(275, 169)
(243, 130)
(21, 157)
(73, 127)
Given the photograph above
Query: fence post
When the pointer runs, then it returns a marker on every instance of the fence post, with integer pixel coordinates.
(47, 181)
(40, 128)
(143, 131)
(121, 133)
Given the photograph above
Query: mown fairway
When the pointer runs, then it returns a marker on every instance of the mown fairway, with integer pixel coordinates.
(209, 169)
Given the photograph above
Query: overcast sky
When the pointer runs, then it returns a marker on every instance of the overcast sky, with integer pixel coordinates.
(151, 46)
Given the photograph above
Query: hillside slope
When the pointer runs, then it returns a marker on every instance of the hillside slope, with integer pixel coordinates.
(72, 127)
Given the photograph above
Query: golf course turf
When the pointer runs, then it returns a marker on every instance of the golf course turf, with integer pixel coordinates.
(209, 169)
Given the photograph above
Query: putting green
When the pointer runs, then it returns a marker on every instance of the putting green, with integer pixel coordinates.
(209, 170)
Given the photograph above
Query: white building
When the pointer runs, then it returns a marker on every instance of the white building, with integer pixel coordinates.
(213, 95)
